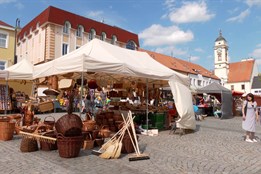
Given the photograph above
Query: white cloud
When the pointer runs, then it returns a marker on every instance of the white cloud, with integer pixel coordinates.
(170, 4)
(232, 11)
(251, 3)
(240, 17)
(191, 12)
(194, 58)
(171, 51)
(97, 15)
(19, 6)
(6, 1)
(256, 53)
(157, 35)
(199, 50)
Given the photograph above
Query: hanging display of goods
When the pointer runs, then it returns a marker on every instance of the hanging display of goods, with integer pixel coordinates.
(69, 147)
(79, 81)
(46, 145)
(28, 144)
(69, 125)
(54, 82)
(49, 121)
(6, 129)
(92, 84)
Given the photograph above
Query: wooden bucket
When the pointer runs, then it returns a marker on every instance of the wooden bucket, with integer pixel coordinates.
(6, 129)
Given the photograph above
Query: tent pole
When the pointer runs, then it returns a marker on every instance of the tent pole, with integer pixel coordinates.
(147, 105)
(6, 96)
(81, 93)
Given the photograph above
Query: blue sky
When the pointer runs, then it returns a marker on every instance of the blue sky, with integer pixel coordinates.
(183, 29)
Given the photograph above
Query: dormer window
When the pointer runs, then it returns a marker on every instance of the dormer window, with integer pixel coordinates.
(103, 36)
(92, 34)
(113, 40)
(131, 45)
(79, 31)
(66, 27)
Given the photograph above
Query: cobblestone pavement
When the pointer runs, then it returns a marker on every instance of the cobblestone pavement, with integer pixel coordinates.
(216, 147)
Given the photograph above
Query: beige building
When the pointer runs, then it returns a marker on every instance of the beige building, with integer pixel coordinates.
(7, 44)
(56, 32)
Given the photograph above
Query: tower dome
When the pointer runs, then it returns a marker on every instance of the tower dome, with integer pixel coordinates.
(220, 37)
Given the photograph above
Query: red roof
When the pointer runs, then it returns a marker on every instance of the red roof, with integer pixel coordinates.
(180, 65)
(5, 24)
(59, 16)
(240, 71)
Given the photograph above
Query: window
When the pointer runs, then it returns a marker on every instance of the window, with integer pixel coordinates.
(66, 27)
(103, 36)
(232, 87)
(92, 34)
(65, 49)
(131, 45)
(242, 87)
(199, 82)
(114, 40)
(3, 40)
(79, 31)
(2, 64)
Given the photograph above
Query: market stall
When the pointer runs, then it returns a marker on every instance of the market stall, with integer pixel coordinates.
(224, 96)
(103, 60)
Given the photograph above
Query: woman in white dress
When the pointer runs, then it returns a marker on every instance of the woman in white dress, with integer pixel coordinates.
(250, 117)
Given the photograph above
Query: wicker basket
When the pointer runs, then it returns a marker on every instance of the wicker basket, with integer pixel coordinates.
(88, 143)
(69, 147)
(28, 145)
(69, 125)
(47, 146)
(49, 123)
(6, 129)
(46, 106)
(89, 125)
(104, 132)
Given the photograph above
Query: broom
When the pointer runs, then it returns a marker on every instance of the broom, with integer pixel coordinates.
(114, 150)
(137, 155)
(107, 144)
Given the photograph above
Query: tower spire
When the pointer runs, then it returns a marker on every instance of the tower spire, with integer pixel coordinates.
(220, 32)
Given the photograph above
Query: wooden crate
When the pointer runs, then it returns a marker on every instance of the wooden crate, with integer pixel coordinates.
(46, 106)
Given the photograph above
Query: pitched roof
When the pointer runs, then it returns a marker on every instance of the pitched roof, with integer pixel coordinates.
(59, 16)
(240, 71)
(256, 82)
(5, 24)
(180, 65)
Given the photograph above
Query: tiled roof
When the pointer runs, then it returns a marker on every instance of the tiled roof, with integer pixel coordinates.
(59, 16)
(5, 24)
(180, 65)
(256, 82)
(240, 71)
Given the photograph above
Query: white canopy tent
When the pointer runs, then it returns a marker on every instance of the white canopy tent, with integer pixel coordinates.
(104, 58)
(23, 70)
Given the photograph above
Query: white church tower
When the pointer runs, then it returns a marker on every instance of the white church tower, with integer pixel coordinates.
(221, 58)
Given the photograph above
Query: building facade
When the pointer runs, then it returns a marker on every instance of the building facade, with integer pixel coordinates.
(56, 32)
(7, 45)
(236, 76)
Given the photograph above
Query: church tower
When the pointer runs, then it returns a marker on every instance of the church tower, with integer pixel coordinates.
(221, 58)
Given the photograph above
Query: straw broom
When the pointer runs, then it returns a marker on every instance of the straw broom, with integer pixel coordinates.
(108, 143)
(114, 150)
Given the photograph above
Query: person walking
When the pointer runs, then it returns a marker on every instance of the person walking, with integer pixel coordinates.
(250, 117)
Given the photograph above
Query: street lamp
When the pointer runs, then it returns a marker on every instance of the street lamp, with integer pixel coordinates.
(17, 26)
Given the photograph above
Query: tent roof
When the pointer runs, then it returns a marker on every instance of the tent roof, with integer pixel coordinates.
(23, 70)
(213, 88)
(104, 58)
